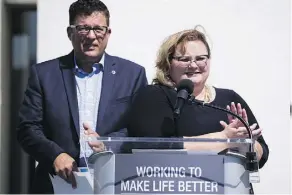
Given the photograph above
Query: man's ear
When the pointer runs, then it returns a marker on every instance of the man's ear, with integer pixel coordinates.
(109, 31)
(69, 33)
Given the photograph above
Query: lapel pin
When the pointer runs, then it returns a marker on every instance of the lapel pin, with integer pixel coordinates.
(113, 72)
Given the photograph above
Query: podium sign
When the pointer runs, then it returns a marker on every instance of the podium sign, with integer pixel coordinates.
(154, 173)
(163, 166)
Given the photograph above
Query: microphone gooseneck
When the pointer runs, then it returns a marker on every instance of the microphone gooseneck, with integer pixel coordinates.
(252, 162)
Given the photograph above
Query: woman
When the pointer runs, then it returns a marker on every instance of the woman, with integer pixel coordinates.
(186, 55)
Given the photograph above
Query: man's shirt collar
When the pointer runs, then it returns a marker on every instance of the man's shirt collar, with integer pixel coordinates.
(97, 67)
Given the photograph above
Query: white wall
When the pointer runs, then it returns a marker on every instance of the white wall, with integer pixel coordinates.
(250, 46)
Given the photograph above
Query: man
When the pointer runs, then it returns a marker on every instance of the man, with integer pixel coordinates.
(67, 96)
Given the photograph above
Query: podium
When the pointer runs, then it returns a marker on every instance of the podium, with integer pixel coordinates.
(163, 166)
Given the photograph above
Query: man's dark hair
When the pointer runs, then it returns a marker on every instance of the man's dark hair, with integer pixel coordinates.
(86, 8)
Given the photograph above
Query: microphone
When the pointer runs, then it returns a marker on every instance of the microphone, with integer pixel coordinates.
(184, 88)
(252, 162)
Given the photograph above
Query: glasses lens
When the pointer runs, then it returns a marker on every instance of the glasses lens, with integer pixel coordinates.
(100, 29)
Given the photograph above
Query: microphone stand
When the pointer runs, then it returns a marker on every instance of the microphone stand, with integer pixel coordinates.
(252, 162)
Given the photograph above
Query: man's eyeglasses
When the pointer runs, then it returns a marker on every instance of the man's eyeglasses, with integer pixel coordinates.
(200, 60)
(84, 29)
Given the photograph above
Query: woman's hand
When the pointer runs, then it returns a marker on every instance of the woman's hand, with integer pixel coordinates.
(232, 131)
(237, 109)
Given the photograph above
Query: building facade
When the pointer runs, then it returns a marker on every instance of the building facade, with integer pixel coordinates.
(17, 51)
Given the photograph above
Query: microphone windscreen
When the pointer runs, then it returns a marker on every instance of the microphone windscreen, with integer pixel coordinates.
(187, 85)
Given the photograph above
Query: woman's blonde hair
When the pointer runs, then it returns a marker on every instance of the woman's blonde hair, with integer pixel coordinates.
(167, 49)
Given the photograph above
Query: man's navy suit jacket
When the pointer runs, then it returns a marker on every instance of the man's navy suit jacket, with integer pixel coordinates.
(49, 121)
